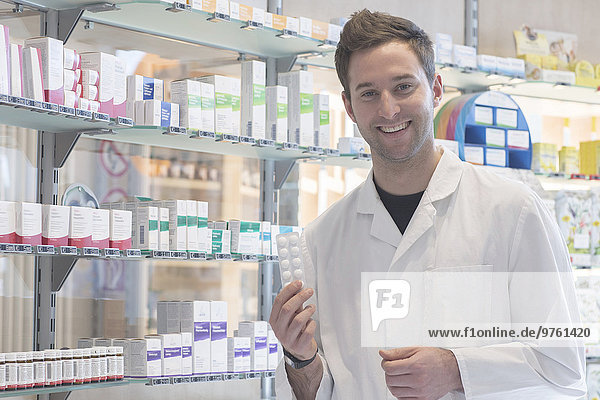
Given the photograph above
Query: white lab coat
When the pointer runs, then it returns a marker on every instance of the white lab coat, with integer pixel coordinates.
(467, 217)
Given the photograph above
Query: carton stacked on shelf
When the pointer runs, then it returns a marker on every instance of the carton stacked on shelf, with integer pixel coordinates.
(446, 52)
(65, 367)
(89, 80)
(300, 106)
(191, 339)
(196, 104)
(50, 57)
(139, 90)
(104, 64)
(71, 77)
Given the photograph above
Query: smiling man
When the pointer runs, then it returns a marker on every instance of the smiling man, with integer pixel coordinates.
(421, 209)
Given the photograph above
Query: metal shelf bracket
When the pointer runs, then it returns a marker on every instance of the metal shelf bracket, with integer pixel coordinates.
(282, 170)
(61, 268)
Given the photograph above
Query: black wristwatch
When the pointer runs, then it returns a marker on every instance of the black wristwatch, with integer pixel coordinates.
(295, 362)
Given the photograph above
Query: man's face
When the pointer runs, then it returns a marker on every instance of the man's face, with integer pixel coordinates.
(391, 100)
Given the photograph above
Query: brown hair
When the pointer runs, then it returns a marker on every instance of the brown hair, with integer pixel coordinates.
(367, 29)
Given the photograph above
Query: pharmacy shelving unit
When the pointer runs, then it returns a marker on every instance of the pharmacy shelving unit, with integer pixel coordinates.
(59, 129)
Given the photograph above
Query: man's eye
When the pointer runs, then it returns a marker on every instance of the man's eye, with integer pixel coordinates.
(404, 87)
(368, 94)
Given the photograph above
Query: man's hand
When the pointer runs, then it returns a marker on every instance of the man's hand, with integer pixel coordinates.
(426, 373)
(293, 324)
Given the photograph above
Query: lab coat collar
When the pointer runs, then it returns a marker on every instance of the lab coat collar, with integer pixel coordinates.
(443, 183)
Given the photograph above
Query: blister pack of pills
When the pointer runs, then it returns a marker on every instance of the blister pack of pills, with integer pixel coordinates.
(290, 261)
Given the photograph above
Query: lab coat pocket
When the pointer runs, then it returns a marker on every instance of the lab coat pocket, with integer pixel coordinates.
(458, 297)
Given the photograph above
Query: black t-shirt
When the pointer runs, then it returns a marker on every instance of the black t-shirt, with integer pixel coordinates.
(401, 208)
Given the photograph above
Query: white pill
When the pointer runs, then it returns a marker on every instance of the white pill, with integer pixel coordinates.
(295, 251)
(287, 275)
(285, 264)
(293, 240)
(282, 242)
(297, 273)
(296, 262)
(284, 253)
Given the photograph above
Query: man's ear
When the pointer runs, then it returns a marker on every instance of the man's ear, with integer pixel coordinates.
(438, 90)
(348, 106)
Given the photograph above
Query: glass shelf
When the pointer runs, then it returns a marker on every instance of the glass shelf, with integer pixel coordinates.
(554, 91)
(136, 255)
(42, 120)
(59, 389)
(154, 136)
(192, 26)
(174, 380)
(344, 160)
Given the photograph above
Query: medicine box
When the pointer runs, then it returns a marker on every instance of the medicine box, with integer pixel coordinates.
(236, 362)
(71, 59)
(55, 225)
(277, 113)
(52, 66)
(203, 239)
(120, 88)
(222, 100)
(236, 106)
(163, 229)
(351, 145)
(245, 237)
(257, 332)
(33, 86)
(187, 94)
(186, 353)
(29, 223)
(589, 156)
(568, 160)
(168, 317)
(487, 63)
(273, 345)
(105, 65)
(171, 354)
(265, 238)
(192, 225)
(443, 48)
(5, 60)
(202, 343)
(300, 106)
(545, 158)
(144, 88)
(253, 99)
(464, 56)
(218, 336)
(177, 224)
(124, 343)
(16, 68)
(102, 342)
(90, 77)
(220, 241)
(321, 120)
(145, 357)
(160, 113)
(146, 237)
(120, 229)
(7, 222)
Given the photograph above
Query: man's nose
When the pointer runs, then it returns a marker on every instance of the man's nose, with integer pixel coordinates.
(389, 106)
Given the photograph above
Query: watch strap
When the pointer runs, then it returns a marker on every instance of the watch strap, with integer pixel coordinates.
(295, 362)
